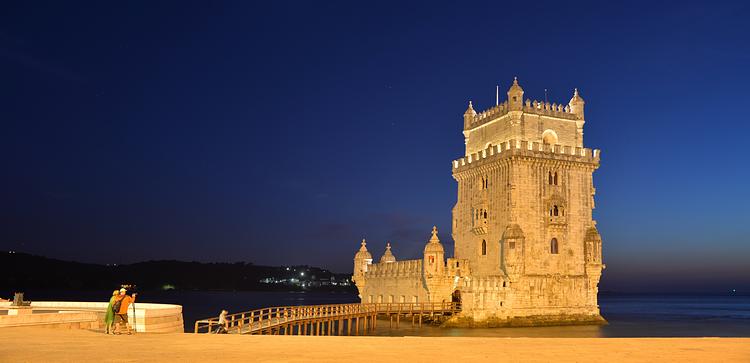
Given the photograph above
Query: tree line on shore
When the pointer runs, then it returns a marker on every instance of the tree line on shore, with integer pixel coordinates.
(21, 271)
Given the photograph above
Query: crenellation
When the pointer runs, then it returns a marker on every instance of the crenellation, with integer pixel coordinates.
(584, 154)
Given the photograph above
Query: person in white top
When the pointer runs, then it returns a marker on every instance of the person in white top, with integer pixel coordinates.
(223, 323)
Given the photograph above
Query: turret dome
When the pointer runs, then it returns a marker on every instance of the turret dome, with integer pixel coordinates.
(576, 104)
(577, 99)
(515, 88)
(592, 235)
(388, 256)
(363, 253)
(434, 244)
(513, 231)
(470, 111)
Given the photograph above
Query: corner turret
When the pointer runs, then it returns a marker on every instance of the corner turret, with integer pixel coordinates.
(362, 260)
(512, 251)
(434, 255)
(515, 96)
(469, 115)
(576, 104)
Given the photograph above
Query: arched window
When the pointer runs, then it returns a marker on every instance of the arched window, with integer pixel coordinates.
(555, 211)
(484, 248)
(550, 178)
(549, 137)
(485, 214)
(555, 178)
(553, 246)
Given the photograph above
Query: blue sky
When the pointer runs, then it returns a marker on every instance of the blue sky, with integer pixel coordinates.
(284, 132)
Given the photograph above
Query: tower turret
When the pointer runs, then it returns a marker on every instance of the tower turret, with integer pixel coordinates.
(362, 260)
(513, 251)
(469, 115)
(592, 243)
(388, 256)
(515, 96)
(434, 255)
(576, 104)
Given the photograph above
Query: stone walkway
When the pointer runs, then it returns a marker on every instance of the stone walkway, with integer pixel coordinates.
(53, 345)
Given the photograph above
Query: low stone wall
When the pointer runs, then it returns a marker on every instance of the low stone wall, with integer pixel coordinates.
(146, 317)
(65, 320)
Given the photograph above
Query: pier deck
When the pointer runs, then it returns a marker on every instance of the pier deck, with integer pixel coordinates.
(336, 319)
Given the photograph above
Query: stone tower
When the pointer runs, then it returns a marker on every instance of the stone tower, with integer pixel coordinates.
(524, 209)
(527, 250)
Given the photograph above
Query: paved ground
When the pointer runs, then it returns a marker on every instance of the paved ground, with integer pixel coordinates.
(53, 345)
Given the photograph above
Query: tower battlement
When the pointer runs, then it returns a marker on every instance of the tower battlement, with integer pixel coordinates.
(528, 120)
(530, 106)
(579, 154)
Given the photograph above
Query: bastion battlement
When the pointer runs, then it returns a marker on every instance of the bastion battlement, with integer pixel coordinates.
(398, 268)
(511, 146)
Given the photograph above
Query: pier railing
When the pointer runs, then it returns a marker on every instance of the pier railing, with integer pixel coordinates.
(311, 319)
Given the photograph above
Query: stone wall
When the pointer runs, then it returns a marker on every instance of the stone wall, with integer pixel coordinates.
(148, 317)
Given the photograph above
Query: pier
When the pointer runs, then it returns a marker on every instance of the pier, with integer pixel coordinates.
(336, 319)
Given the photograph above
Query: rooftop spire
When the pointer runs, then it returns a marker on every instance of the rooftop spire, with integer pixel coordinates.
(470, 110)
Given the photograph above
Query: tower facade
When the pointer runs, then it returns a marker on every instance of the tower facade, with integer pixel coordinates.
(524, 210)
(527, 250)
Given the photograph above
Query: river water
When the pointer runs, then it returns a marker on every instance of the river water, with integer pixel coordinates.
(628, 315)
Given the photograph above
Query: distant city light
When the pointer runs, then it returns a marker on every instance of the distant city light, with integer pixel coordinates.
(302, 274)
(287, 268)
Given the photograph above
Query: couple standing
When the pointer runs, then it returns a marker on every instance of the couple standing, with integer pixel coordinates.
(117, 312)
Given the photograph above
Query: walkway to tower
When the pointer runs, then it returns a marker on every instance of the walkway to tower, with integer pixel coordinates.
(336, 319)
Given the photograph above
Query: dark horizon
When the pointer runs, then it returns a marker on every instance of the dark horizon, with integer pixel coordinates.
(284, 133)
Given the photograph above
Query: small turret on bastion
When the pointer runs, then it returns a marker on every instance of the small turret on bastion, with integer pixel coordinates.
(526, 247)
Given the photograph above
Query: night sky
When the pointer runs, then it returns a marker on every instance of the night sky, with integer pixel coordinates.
(284, 132)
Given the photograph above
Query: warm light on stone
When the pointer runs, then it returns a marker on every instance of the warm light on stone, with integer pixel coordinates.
(527, 250)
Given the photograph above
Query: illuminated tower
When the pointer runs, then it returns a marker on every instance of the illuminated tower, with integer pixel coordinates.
(524, 207)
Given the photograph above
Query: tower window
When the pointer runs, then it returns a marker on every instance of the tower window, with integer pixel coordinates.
(484, 248)
(556, 211)
(555, 178)
(550, 177)
(553, 246)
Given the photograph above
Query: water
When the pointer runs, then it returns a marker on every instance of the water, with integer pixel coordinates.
(628, 315)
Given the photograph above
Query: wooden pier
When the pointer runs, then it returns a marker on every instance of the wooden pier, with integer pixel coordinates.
(337, 319)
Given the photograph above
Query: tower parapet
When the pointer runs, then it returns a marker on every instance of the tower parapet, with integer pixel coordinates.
(520, 147)
(516, 118)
